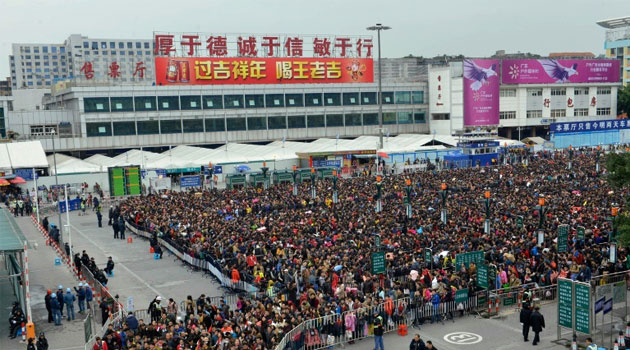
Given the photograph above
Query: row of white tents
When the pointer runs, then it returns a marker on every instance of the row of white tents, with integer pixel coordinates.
(277, 154)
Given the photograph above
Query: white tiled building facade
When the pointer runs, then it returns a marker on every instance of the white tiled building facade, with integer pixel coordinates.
(40, 65)
(524, 109)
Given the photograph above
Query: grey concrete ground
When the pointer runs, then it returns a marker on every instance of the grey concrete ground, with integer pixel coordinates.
(139, 276)
(136, 273)
(45, 275)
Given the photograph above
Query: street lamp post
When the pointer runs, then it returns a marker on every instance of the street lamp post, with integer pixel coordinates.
(614, 211)
(264, 171)
(541, 221)
(597, 159)
(378, 28)
(408, 198)
(379, 187)
(444, 193)
(59, 225)
(334, 180)
(211, 175)
(295, 188)
(570, 156)
(313, 189)
(487, 225)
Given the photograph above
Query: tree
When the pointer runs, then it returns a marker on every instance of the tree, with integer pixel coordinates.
(623, 100)
(618, 167)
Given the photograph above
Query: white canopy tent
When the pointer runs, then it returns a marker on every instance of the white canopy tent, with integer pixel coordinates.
(135, 157)
(71, 165)
(22, 155)
(103, 161)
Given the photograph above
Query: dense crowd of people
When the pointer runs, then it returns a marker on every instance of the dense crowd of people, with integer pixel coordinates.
(312, 256)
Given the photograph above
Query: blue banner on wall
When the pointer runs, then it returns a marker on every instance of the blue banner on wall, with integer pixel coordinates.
(26, 174)
(590, 126)
(158, 172)
(74, 204)
(321, 163)
(190, 181)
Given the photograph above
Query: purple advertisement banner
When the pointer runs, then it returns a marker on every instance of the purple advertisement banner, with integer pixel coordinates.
(481, 92)
(549, 71)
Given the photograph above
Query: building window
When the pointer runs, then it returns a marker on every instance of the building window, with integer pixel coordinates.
(168, 103)
(193, 125)
(145, 103)
(389, 118)
(297, 122)
(171, 126)
(146, 45)
(212, 102)
(278, 122)
(603, 91)
(558, 92)
(419, 117)
(315, 121)
(507, 115)
(254, 101)
(353, 119)
(233, 101)
(403, 97)
(581, 112)
(417, 97)
(368, 98)
(580, 91)
(388, 98)
(603, 111)
(441, 116)
(558, 113)
(508, 93)
(370, 118)
(332, 99)
(350, 98)
(313, 100)
(215, 124)
(124, 128)
(121, 45)
(404, 117)
(274, 100)
(294, 100)
(190, 102)
(95, 105)
(41, 130)
(534, 92)
(236, 124)
(148, 127)
(256, 123)
(121, 104)
(534, 114)
(333, 120)
(98, 129)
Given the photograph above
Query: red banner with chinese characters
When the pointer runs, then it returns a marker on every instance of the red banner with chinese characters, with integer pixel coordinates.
(251, 70)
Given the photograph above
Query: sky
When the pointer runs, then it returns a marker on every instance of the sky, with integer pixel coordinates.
(419, 27)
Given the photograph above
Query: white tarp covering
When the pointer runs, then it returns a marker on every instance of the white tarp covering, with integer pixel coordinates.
(71, 165)
(20, 155)
(135, 157)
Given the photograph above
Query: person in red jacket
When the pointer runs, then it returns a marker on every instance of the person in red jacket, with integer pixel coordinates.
(235, 276)
(99, 344)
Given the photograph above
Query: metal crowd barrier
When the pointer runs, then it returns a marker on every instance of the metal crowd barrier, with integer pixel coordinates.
(339, 329)
(115, 319)
(226, 281)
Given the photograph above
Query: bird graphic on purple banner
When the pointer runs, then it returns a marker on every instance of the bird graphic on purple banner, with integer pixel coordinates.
(478, 74)
(557, 71)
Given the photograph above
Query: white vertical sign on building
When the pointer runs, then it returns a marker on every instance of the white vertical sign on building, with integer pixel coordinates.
(439, 90)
